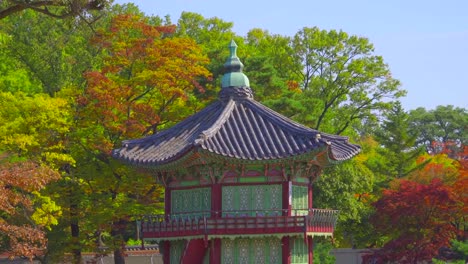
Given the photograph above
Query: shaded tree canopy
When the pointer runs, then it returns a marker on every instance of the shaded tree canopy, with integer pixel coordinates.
(53, 8)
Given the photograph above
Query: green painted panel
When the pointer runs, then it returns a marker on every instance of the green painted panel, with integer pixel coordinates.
(261, 199)
(251, 250)
(177, 247)
(303, 180)
(299, 252)
(252, 179)
(189, 183)
(300, 200)
(195, 201)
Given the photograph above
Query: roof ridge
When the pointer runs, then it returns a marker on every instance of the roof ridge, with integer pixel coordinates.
(222, 118)
(283, 121)
(163, 132)
(286, 122)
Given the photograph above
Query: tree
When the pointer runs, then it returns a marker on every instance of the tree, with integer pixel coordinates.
(268, 64)
(342, 80)
(148, 81)
(32, 136)
(346, 187)
(19, 186)
(417, 219)
(438, 166)
(439, 127)
(52, 53)
(211, 34)
(13, 77)
(399, 144)
(52, 8)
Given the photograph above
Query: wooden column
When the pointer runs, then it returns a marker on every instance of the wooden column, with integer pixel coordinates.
(216, 207)
(287, 198)
(286, 250)
(166, 251)
(216, 200)
(310, 196)
(310, 247)
(167, 201)
(285, 241)
(215, 251)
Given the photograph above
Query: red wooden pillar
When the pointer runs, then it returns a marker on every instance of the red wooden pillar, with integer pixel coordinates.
(310, 196)
(310, 247)
(167, 201)
(285, 241)
(287, 198)
(286, 250)
(165, 250)
(216, 207)
(215, 251)
(310, 240)
(216, 200)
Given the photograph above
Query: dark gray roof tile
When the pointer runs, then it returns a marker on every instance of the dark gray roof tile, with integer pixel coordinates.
(239, 128)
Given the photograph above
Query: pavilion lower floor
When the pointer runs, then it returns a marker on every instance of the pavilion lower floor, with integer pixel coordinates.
(292, 249)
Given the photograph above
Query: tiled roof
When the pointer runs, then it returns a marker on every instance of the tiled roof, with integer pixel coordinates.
(240, 128)
(235, 126)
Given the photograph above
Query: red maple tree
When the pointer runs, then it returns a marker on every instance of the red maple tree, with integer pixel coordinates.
(418, 219)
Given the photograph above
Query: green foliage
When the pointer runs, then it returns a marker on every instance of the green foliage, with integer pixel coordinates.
(445, 124)
(50, 53)
(345, 187)
(268, 64)
(33, 132)
(399, 144)
(346, 80)
(132, 242)
(436, 261)
(460, 247)
(35, 127)
(55, 9)
(47, 213)
(212, 35)
(322, 252)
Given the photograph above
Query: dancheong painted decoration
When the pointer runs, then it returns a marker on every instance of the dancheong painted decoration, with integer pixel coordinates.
(238, 179)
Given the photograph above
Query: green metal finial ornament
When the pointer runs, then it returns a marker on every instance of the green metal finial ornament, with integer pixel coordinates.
(233, 67)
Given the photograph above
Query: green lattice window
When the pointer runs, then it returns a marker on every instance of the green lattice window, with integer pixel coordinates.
(299, 252)
(176, 250)
(194, 202)
(247, 250)
(252, 200)
(300, 200)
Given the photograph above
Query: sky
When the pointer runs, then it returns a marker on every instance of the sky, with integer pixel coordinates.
(424, 42)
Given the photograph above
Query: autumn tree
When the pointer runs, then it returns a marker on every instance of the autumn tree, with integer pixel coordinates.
(147, 82)
(438, 166)
(417, 220)
(32, 135)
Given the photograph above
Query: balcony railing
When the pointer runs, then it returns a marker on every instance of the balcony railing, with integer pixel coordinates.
(220, 223)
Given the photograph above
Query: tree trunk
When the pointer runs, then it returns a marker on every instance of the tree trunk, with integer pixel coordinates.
(119, 257)
(74, 227)
(117, 232)
(75, 233)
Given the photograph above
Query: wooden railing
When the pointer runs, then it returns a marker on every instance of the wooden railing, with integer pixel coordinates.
(239, 222)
